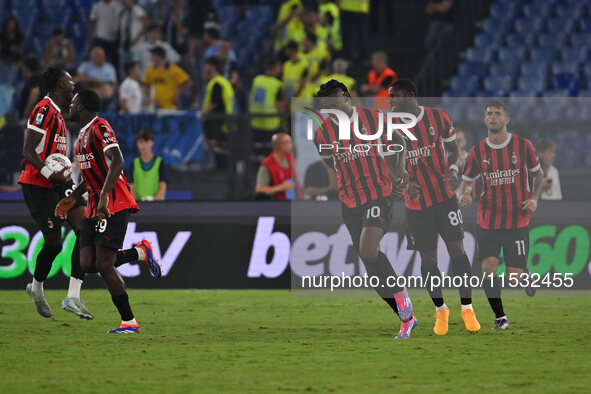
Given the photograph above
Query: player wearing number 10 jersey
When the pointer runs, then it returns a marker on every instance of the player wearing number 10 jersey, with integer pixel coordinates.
(503, 161)
(365, 189)
(431, 202)
(110, 201)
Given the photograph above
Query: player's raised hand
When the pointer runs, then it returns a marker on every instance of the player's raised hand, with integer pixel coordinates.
(58, 178)
(102, 208)
(529, 205)
(452, 177)
(399, 183)
(414, 190)
(465, 199)
(62, 207)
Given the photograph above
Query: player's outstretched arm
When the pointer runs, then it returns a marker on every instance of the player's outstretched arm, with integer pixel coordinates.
(466, 192)
(532, 203)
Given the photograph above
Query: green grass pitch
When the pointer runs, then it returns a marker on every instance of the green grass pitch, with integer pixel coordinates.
(262, 341)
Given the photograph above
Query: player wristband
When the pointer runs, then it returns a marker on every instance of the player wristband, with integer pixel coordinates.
(46, 172)
(453, 167)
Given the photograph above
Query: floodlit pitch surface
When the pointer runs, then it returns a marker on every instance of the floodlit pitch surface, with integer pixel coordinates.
(238, 341)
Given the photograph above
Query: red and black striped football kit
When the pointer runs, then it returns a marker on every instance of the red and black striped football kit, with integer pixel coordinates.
(362, 174)
(504, 172)
(425, 157)
(93, 140)
(46, 119)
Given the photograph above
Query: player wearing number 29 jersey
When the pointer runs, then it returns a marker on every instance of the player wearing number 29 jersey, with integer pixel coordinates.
(93, 140)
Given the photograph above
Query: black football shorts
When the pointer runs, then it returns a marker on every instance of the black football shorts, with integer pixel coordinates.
(106, 233)
(377, 213)
(514, 243)
(423, 226)
(41, 202)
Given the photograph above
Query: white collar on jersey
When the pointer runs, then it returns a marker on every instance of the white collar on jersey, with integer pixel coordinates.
(421, 114)
(88, 125)
(54, 104)
(500, 146)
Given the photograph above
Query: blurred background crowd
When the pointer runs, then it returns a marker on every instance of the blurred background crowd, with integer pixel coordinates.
(194, 83)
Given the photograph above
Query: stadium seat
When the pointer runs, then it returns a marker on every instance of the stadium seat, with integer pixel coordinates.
(492, 25)
(478, 68)
(551, 40)
(542, 54)
(523, 93)
(498, 83)
(511, 54)
(537, 10)
(585, 24)
(568, 81)
(487, 40)
(503, 10)
(539, 69)
(565, 67)
(479, 54)
(576, 55)
(577, 40)
(518, 39)
(526, 25)
(556, 93)
(466, 83)
(559, 25)
(531, 82)
(509, 68)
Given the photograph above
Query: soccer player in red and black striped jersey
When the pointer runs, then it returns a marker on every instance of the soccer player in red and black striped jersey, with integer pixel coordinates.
(504, 161)
(110, 201)
(365, 189)
(47, 134)
(431, 203)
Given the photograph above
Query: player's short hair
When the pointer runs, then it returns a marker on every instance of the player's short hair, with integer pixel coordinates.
(90, 101)
(57, 31)
(154, 27)
(215, 62)
(292, 45)
(312, 37)
(271, 62)
(544, 145)
(498, 104)
(405, 85)
(213, 32)
(129, 66)
(145, 135)
(383, 55)
(50, 79)
(326, 89)
(32, 63)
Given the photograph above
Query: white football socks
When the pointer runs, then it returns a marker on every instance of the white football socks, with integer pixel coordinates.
(442, 307)
(131, 322)
(468, 306)
(37, 287)
(140, 253)
(74, 288)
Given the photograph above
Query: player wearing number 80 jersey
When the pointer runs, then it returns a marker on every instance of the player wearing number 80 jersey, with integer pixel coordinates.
(431, 203)
(503, 161)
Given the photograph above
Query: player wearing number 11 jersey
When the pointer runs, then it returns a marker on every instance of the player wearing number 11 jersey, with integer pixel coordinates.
(110, 201)
(504, 161)
(431, 202)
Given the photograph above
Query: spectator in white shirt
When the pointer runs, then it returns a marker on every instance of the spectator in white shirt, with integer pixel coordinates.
(133, 23)
(104, 17)
(546, 151)
(143, 52)
(131, 94)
